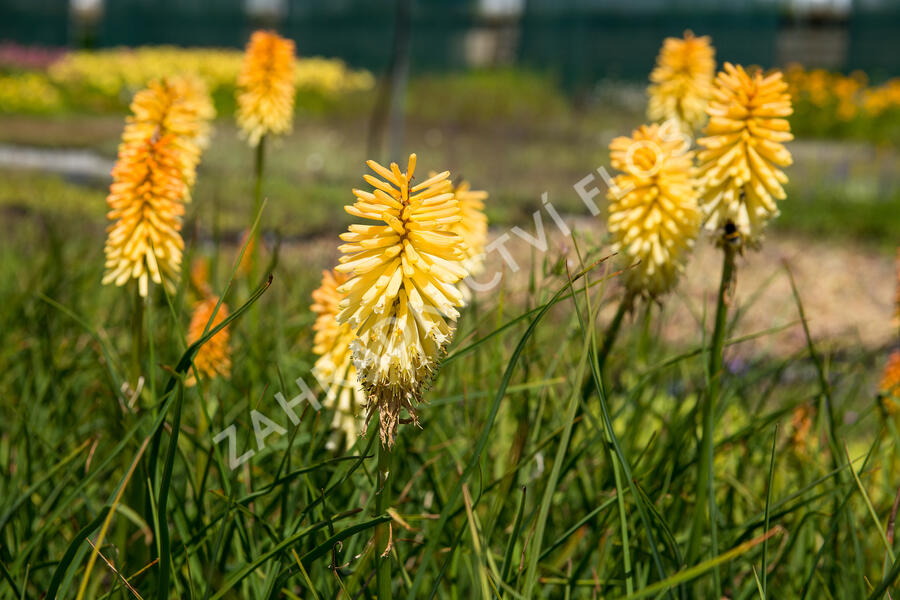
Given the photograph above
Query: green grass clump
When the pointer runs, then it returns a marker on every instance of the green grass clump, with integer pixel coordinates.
(518, 484)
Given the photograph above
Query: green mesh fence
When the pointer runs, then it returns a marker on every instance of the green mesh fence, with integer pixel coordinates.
(38, 22)
(580, 41)
(875, 42)
(178, 22)
(585, 47)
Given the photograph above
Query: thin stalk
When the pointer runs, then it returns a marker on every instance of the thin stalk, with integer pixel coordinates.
(148, 312)
(382, 531)
(137, 334)
(705, 511)
(259, 168)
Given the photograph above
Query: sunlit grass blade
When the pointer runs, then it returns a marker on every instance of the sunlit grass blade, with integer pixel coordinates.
(700, 568)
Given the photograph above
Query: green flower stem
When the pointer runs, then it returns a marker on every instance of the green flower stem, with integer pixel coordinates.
(382, 532)
(137, 334)
(259, 168)
(705, 510)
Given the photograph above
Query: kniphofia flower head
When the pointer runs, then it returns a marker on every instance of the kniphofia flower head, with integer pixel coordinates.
(654, 216)
(897, 300)
(890, 382)
(681, 82)
(214, 357)
(196, 100)
(266, 86)
(401, 300)
(199, 275)
(334, 367)
(156, 166)
(740, 166)
(472, 226)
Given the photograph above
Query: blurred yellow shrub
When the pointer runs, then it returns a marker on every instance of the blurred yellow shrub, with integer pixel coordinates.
(833, 104)
(106, 79)
(28, 92)
(119, 69)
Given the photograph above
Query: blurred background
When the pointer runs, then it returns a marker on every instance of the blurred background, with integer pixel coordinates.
(518, 96)
(578, 40)
(521, 98)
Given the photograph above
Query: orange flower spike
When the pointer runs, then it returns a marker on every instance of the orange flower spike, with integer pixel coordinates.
(156, 166)
(334, 367)
(214, 357)
(265, 94)
(681, 82)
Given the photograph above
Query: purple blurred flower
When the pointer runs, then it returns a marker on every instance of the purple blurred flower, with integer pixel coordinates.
(17, 56)
(736, 365)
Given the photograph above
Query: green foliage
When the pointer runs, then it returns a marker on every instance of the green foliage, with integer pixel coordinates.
(509, 487)
(482, 97)
(828, 213)
(25, 192)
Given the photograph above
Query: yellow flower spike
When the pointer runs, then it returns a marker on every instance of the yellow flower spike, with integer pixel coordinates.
(196, 98)
(265, 95)
(334, 366)
(654, 216)
(193, 123)
(401, 299)
(473, 225)
(681, 82)
(740, 167)
(156, 166)
(214, 357)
